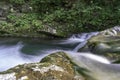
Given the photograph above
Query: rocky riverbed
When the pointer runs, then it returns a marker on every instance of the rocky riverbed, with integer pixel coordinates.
(59, 66)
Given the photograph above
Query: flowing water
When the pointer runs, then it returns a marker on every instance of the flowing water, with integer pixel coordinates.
(14, 51)
(96, 67)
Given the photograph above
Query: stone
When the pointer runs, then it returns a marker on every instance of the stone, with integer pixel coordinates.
(106, 43)
(55, 66)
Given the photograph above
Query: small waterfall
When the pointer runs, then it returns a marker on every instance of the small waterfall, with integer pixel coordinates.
(83, 37)
(79, 46)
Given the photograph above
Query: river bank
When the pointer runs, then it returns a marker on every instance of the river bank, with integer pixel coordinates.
(55, 19)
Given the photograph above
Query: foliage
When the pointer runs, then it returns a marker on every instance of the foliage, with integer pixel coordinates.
(17, 1)
(24, 21)
(69, 15)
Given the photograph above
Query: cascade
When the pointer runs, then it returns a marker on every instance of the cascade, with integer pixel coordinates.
(83, 37)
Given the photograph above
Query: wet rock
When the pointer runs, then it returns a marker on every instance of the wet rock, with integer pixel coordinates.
(55, 66)
(106, 43)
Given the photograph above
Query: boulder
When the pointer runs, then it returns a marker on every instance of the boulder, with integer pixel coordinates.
(64, 66)
(55, 66)
(106, 43)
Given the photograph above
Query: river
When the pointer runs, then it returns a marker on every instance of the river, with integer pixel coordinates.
(15, 51)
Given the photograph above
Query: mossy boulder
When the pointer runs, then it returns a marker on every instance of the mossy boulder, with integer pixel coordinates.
(55, 66)
(106, 43)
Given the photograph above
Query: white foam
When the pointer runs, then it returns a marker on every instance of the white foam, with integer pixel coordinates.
(11, 56)
(78, 38)
(71, 41)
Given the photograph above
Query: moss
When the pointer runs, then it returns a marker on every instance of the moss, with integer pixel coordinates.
(59, 59)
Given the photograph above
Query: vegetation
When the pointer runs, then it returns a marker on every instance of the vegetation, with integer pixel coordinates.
(67, 16)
